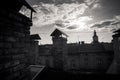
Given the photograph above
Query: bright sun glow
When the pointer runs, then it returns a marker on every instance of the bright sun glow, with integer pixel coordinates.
(80, 23)
(69, 15)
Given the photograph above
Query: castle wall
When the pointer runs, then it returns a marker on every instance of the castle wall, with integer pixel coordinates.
(116, 45)
(14, 45)
(89, 62)
(82, 58)
(33, 52)
(60, 52)
(45, 61)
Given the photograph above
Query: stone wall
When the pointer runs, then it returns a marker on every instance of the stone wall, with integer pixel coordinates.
(45, 61)
(59, 52)
(116, 45)
(14, 43)
(33, 52)
(94, 62)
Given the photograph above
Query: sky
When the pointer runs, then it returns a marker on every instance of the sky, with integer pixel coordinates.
(77, 18)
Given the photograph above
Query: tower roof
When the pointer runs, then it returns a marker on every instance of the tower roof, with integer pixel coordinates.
(58, 32)
(95, 33)
(117, 33)
(95, 37)
(15, 5)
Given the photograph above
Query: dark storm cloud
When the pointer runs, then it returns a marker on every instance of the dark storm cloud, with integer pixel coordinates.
(115, 23)
(96, 25)
(59, 23)
(72, 27)
(102, 24)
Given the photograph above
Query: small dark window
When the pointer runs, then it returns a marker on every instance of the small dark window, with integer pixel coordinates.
(100, 61)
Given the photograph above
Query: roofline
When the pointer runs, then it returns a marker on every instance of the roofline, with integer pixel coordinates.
(60, 31)
(116, 31)
(24, 2)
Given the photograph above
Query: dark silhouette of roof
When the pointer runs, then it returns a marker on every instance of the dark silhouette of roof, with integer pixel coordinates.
(58, 32)
(35, 37)
(117, 33)
(15, 5)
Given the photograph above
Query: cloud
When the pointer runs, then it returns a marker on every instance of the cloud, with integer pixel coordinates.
(59, 23)
(63, 15)
(103, 24)
(73, 27)
(115, 23)
(110, 23)
(92, 4)
(56, 2)
(68, 14)
(117, 17)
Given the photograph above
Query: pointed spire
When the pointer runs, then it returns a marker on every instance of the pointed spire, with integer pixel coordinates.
(95, 37)
(95, 33)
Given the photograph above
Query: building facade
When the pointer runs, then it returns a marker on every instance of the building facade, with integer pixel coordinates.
(33, 49)
(116, 46)
(78, 57)
(14, 40)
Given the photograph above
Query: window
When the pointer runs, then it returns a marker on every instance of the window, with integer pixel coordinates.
(99, 61)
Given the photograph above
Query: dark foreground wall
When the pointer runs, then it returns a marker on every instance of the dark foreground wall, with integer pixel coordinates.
(14, 43)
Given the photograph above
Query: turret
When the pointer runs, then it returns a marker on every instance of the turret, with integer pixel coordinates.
(59, 39)
(95, 37)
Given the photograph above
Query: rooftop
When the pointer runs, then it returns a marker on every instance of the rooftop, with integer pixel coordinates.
(58, 32)
(15, 5)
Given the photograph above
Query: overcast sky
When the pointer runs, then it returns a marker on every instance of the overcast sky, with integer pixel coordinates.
(78, 18)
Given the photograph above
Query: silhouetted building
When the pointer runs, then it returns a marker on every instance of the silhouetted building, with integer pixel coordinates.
(95, 37)
(14, 40)
(94, 58)
(34, 48)
(116, 46)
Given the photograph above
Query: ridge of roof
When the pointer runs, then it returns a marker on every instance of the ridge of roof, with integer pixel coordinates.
(59, 32)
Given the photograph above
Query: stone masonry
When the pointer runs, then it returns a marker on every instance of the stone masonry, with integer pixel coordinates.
(14, 45)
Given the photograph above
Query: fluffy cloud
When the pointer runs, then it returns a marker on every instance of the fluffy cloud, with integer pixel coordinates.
(65, 14)
(74, 15)
(68, 14)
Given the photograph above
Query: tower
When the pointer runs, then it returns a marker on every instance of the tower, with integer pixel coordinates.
(95, 37)
(59, 39)
(116, 46)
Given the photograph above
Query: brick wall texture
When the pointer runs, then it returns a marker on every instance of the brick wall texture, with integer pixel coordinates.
(14, 43)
